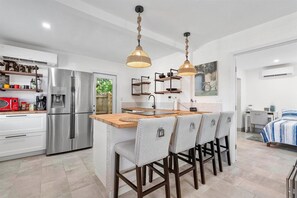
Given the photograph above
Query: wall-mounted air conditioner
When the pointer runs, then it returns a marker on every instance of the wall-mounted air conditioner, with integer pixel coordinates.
(29, 56)
(278, 72)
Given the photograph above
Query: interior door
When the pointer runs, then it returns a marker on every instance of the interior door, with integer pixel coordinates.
(105, 93)
(58, 136)
(83, 92)
(83, 131)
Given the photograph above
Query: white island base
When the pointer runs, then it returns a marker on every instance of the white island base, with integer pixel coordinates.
(105, 137)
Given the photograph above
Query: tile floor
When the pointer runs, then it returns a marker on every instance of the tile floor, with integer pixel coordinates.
(259, 172)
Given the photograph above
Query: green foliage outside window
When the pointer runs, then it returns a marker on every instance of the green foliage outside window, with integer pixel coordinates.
(103, 86)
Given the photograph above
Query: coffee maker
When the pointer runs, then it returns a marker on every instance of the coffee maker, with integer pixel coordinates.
(41, 103)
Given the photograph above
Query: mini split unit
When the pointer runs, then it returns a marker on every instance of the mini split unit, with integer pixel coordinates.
(278, 72)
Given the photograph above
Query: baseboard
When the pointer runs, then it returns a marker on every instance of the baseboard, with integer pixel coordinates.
(12, 157)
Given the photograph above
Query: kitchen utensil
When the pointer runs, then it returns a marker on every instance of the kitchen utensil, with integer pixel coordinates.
(169, 74)
(6, 86)
(11, 86)
(16, 86)
(23, 106)
(162, 75)
(172, 89)
(31, 107)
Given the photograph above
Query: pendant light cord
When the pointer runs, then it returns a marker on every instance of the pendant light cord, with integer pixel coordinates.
(187, 47)
(139, 28)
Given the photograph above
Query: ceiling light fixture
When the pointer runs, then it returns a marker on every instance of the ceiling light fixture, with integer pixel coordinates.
(46, 25)
(276, 60)
(187, 69)
(138, 58)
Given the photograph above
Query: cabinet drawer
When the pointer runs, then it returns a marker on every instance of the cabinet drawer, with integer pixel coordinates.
(21, 143)
(22, 123)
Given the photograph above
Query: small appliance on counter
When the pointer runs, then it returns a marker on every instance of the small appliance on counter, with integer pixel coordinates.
(41, 103)
(9, 104)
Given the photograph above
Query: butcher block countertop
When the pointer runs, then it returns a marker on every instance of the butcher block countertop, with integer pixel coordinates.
(20, 112)
(115, 119)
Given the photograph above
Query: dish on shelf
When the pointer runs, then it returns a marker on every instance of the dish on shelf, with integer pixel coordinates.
(172, 89)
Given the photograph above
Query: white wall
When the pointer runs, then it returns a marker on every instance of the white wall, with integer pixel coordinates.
(262, 92)
(222, 50)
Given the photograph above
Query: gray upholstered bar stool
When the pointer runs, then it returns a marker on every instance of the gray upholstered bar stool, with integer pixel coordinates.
(223, 131)
(151, 144)
(206, 134)
(183, 139)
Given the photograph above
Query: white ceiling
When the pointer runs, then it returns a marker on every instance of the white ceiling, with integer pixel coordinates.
(286, 54)
(111, 35)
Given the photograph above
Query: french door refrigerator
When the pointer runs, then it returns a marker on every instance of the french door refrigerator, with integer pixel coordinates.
(69, 106)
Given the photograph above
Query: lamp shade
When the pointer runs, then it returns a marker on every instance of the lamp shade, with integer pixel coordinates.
(186, 69)
(138, 58)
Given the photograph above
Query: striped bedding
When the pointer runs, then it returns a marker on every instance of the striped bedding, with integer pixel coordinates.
(281, 131)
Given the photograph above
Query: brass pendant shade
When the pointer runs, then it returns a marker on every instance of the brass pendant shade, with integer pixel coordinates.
(187, 69)
(138, 58)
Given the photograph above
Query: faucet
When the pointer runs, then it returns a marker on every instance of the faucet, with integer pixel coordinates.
(154, 105)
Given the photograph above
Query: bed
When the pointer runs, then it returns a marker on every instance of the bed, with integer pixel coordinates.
(282, 130)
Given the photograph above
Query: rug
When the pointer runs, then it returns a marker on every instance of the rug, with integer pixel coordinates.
(255, 137)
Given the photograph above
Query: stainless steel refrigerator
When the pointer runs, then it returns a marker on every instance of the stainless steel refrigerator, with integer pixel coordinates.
(69, 105)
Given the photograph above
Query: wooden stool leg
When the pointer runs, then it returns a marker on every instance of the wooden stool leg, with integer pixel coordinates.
(170, 162)
(195, 168)
(116, 178)
(144, 175)
(205, 147)
(228, 150)
(214, 158)
(201, 164)
(151, 174)
(176, 174)
(139, 182)
(219, 154)
(166, 174)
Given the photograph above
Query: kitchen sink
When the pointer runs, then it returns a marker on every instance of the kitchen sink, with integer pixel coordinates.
(151, 113)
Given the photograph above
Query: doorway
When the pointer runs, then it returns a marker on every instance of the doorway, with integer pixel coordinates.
(105, 86)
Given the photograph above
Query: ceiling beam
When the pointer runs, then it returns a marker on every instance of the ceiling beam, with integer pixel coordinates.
(119, 22)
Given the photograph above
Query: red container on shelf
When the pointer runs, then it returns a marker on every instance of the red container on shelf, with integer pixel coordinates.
(9, 104)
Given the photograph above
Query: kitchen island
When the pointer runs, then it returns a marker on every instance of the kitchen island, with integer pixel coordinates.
(110, 129)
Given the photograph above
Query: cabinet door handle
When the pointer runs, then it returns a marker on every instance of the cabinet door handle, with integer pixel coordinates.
(15, 136)
(11, 116)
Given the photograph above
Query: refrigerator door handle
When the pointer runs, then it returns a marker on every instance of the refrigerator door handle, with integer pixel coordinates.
(72, 113)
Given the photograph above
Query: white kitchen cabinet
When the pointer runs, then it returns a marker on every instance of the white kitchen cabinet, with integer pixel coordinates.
(22, 133)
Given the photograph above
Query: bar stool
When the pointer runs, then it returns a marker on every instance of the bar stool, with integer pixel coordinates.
(151, 144)
(183, 139)
(223, 131)
(206, 134)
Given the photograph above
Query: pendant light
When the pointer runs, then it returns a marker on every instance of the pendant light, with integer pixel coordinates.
(187, 69)
(138, 58)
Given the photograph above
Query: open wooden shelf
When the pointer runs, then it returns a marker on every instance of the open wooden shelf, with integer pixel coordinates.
(20, 73)
(166, 92)
(13, 89)
(141, 83)
(168, 78)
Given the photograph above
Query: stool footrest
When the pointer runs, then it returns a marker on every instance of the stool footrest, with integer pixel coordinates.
(157, 186)
(126, 181)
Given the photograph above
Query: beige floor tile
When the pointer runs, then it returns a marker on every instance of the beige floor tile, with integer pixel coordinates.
(52, 172)
(57, 188)
(87, 192)
(79, 177)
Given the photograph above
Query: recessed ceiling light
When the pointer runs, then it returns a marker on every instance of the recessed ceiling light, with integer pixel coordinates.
(276, 60)
(46, 25)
